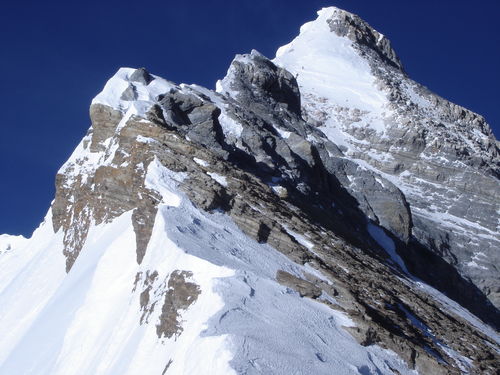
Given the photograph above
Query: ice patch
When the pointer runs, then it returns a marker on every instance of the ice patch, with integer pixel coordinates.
(387, 244)
(219, 178)
(201, 162)
(279, 190)
(283, 133)
(230, 127)
(300, 238)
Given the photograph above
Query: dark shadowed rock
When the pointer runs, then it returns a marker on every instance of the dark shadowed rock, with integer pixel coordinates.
(141, 75)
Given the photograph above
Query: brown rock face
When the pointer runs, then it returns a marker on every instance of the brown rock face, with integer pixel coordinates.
(303, 287)
(180, 295)
(104, 122)
(111, 188)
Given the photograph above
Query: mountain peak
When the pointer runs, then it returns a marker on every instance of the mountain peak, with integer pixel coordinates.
(364, 39)
(297, 220)
(357, 30)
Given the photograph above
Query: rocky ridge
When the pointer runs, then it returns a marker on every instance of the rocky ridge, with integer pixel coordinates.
(323, 184)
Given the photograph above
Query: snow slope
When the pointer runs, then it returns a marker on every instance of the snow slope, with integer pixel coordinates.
(89, 320)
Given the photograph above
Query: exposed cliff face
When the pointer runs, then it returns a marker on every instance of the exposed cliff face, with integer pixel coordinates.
(293, 205)
(443, 157)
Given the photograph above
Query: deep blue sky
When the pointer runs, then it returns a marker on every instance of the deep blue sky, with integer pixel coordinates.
(57, 55)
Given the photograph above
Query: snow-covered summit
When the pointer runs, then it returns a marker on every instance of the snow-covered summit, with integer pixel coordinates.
(132, 89)
(328, 66)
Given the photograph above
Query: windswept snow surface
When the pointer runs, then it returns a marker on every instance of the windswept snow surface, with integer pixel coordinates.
(89, 320)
